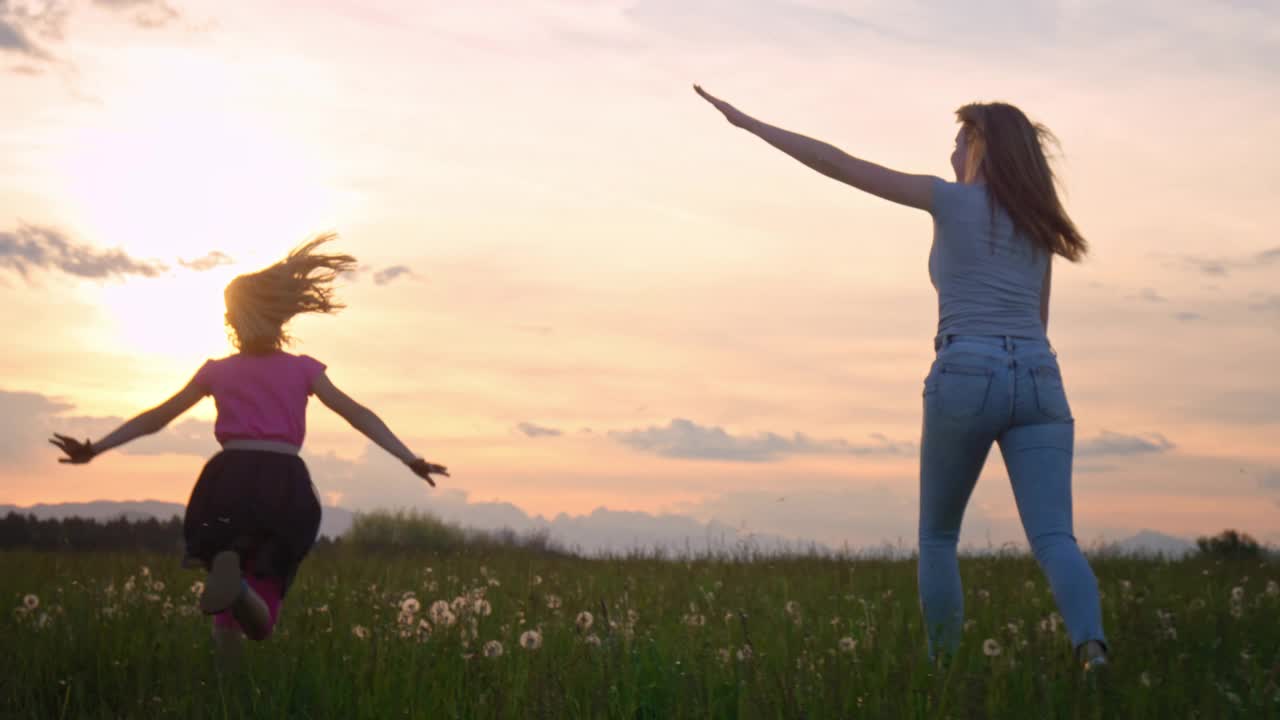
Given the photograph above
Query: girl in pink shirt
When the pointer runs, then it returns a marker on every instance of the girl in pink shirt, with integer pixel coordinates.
(254, 514)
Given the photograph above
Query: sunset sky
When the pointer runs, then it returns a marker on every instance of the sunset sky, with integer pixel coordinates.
(581, 288)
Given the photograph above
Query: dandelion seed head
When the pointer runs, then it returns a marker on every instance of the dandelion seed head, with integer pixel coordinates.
(990, 647)
(530, 639)
(848, 644)
(157, 586)
(360, 631)
(553, 602)
(1145, 679)
(584, 621)
(31, 601)
(1273, 588)
(410, 606)
(492, 649)
(592, 640)
(792, 607)
(1237, 593)
(745, 653)
(197, 588)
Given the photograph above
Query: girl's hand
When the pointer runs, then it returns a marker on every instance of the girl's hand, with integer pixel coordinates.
(78, 453)
(424, 469)
(736, 117)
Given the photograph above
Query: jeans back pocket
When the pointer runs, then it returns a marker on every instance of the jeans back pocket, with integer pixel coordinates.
(1051, 396)
(962, 390)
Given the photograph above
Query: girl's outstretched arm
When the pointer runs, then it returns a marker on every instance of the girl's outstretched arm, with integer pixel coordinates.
(368, 423)
(145, 423)
(905, 189)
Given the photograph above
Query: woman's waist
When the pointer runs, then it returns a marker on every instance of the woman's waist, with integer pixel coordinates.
(1004, 342)
(276, 446)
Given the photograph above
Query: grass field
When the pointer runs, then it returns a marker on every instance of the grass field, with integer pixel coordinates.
(525, 634)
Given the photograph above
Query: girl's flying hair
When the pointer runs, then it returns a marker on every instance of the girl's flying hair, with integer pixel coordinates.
(260, 304)
(1009, 151)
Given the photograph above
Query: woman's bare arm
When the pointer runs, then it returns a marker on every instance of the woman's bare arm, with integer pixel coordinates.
(144, 423)
(372, 427)
(902, 188)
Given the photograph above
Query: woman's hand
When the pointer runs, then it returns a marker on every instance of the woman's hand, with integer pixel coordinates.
(736, 117)
(424, 470)
(78, 453)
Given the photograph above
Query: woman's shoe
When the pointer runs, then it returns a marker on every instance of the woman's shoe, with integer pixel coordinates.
(224, 583)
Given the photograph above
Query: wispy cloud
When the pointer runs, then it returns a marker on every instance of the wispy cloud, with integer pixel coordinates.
(1149, 295)
(149, 14)
(1223, 266)
(1188, 316)
(210, 261)
(1113, 443)
(686, 439)
(536, 431)
(33, 247)
(386, 275)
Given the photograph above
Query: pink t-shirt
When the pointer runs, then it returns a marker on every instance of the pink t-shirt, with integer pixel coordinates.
(260, 397)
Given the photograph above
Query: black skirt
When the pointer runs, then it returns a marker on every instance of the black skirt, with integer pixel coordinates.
(260, 504)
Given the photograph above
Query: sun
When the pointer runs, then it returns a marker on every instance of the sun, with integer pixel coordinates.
(176, 166)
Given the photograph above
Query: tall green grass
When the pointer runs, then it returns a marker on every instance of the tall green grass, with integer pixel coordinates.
(802, 637)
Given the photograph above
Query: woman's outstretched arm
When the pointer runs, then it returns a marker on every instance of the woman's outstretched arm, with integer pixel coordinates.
(144, 423)
(903, 188)
(368, 423)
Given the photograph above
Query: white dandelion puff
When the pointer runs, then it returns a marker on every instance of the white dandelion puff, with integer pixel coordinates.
(1273, 588)
(157, 586)
(592, 640)
(537, 579)
(990, 647)
(553, 602)
(848, 644)
(792, 607)
(745, 653)
(493, 649)
(1145, 679)
(482, 608)
(530, 639)
(31, 601)
(360, 631)
(584, 621)
(410, 606)
(1237, 593)
(197, 588)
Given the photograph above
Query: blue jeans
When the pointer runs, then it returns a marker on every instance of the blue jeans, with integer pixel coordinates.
(982, 390)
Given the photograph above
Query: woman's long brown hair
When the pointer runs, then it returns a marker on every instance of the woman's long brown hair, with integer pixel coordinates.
(1008, 150)
(259, 304)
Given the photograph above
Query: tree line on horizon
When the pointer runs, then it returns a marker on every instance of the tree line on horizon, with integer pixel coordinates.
(379, 531)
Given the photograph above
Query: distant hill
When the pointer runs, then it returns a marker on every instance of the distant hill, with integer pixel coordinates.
(334, 521)
(1150, 542)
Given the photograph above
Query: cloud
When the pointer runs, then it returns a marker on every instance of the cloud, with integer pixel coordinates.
(35, 247)
(13, 38)
(386, 275)
(686, 439)
(1149, 295)
(1270, 480)
(1267, 304)
(1223, 266)
(1109, 443)
(148, 14)
(28, 420)
(535, 431)
(210, 261)
(1188, 316)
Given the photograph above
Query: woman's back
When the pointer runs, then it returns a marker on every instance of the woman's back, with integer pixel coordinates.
(989, 277)
(260, 396)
